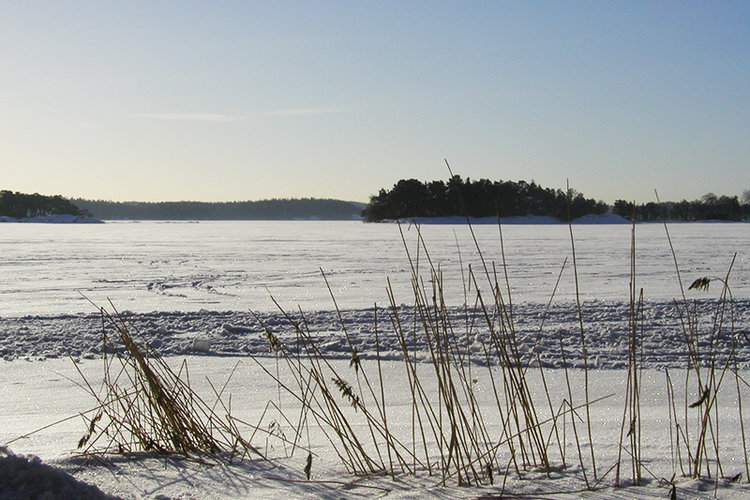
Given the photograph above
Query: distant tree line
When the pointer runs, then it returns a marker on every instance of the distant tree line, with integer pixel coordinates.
(20, 205)
(709, 207)
(482, 198)
(407, 198)
(275, 209)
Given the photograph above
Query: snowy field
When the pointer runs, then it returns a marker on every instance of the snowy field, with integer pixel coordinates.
(37, 394)
(189, 289)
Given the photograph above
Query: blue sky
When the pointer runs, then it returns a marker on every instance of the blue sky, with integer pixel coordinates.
(249, 100)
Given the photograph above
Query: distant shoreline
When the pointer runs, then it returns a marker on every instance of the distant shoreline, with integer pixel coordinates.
(604, 219)
(275, 209)
(542, 220)
(515, 220)
(52, 219)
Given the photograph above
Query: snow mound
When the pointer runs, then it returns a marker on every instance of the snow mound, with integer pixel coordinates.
(527, 219)
(24, 477)
(601, 219)
(55, 219)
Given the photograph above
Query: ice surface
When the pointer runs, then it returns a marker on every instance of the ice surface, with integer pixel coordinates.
(191, 286)
(188, 288)
(220, 266)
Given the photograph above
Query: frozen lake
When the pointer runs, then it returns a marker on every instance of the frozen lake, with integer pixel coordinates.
(190, 286)
(223, 266)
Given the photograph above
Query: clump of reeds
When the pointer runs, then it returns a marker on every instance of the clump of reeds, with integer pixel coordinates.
(144, 406)
(450, 432)
(451, 436)
(468, 451)
(631, 418)
(312, 375)
(455, 435)
(695, 431)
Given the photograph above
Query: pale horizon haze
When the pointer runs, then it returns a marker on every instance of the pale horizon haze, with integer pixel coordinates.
(225, 101)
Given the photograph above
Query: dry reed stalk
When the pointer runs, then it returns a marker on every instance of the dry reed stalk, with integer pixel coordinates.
(676, 435)
(416, 418)
(504, 341)
(583, 335)
(259, 428)
(327, 409)
(631, 411)
(432, 320)
(459, 438)
(145, 406)
(462, 437)
(572, 414)
(570, 410)
(504, 419)
(325, 412)
(383, 413)
(355, 363)
(535, 352)
(742, 421)
(704, 361)
(513, 369)
(418, 395)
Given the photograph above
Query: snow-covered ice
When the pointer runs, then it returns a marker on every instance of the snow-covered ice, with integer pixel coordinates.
(188, 288)
(221, 266)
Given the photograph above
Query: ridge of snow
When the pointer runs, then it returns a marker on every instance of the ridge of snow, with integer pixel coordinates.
(232, 333)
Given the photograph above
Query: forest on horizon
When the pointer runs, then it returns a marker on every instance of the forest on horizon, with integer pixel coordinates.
(408, 198)
(485, 198)
(273, 209)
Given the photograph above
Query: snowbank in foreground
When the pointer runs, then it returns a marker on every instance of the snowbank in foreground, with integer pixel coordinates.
(55, 219)
(24, 477)
(527, 219)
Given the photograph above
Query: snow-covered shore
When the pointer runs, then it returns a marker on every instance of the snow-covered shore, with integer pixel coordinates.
(525, 219)
(54, 219)
(607, 218)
